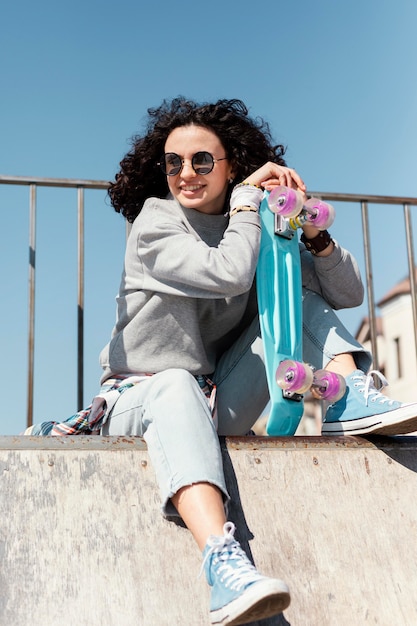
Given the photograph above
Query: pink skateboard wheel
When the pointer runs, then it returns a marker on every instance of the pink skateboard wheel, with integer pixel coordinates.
(285, 201)
(319, 213)
(329, 386)
(294, 376)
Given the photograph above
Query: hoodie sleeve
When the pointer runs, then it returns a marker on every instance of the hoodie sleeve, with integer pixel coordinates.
(335, 277)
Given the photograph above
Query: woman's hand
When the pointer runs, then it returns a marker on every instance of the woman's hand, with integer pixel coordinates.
(272, 175)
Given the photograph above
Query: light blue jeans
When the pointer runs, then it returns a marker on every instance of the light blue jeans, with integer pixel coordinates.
(172, 414)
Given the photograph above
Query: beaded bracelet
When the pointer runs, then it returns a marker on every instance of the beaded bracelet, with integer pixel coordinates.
(318, 243)
(246, 195)
(251, 184)
(239, 209)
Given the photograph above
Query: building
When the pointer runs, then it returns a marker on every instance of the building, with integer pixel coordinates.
(396, 341)
(396, 352)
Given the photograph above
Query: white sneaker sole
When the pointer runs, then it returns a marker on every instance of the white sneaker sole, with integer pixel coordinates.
(261, 600)
(397, 422)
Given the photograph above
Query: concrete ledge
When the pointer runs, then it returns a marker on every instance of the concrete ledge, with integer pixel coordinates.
(82, 540)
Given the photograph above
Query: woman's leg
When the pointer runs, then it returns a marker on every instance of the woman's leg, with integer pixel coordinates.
(170, 411)
(343, 364)
(326, 339)
(242, 388)
(363, 409)
(201, 507)
(172, 414)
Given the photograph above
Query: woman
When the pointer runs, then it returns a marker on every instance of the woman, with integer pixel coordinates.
(186, 351)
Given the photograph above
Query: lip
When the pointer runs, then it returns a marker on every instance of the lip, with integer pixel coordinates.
(191, 188)
(190, 191)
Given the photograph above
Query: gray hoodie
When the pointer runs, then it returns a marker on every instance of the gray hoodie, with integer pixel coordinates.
(188, 288)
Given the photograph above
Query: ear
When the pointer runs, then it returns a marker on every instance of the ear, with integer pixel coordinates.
(232, 174)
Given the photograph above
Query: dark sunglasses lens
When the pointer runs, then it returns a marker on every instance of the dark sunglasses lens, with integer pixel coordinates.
(171, 164)
(202, 162)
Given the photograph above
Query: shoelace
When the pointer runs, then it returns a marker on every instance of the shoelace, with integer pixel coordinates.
(226, 548)
(369, 390)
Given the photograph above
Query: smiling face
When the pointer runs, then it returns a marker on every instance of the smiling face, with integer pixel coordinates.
(204, 193)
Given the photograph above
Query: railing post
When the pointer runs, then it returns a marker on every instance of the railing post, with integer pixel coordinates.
(370, 284)
(411, 268)
(80, 302)
(31, 298)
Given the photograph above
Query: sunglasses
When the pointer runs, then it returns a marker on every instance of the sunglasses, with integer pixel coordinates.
(202, 163)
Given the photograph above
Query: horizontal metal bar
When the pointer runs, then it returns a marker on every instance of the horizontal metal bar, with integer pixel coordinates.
(103, 184)
(54, 182)
(354, 197)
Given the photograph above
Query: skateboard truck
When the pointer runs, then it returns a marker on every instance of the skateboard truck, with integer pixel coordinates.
(290, 203)
(282, 227)
(292, 395)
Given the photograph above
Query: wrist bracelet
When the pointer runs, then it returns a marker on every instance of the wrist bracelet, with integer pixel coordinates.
(246, 195)
(318, 243)
(239, 209)
(251, 184)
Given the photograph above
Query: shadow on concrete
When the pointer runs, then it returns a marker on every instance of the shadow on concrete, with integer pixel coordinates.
(243, 532)
(402, 449)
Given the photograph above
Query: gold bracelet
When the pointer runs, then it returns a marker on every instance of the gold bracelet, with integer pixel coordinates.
(250, 184)
(238, 209)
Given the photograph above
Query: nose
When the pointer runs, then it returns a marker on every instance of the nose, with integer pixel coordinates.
(187, 170)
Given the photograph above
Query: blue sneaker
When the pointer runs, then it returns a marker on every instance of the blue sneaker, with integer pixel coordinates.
(364, 410)
(239, 593)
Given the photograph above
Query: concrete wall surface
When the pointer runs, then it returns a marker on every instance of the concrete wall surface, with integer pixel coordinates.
(83, 542)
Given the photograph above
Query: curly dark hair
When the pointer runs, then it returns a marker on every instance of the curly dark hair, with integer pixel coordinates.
(247, 142)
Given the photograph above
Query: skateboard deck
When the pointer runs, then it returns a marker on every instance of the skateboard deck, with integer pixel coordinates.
(278, 280)
(279, 290)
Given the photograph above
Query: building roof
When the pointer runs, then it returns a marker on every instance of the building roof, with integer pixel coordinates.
(398, 290)
(364, 332)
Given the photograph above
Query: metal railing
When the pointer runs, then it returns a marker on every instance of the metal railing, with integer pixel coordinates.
(33, 184)
(81, 185)
(365, 201)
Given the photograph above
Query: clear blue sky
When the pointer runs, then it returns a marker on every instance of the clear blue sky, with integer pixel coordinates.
(336, 81)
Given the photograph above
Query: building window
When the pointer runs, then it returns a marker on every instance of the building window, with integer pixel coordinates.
(397, 358)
